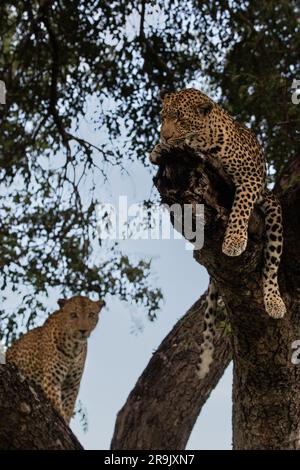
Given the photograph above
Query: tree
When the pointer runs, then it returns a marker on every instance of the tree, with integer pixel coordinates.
(55, 54)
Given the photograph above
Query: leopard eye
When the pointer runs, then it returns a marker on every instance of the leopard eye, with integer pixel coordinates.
(177, 115)
(73, 315)
(92, 315)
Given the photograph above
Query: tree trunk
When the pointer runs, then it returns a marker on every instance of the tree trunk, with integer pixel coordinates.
(161, 411)
(266, 388)
(27, 419)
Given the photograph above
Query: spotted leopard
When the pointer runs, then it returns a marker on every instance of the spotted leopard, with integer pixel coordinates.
(191, 118)
(53, 355)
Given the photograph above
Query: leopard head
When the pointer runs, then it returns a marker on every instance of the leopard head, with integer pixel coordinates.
(79, 316)
(184, 114)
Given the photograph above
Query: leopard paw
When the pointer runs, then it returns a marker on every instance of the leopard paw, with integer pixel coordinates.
(156, 156)
(274, 306)
(234, 245)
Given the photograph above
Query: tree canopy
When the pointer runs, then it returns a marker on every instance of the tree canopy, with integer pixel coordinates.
(64, 61)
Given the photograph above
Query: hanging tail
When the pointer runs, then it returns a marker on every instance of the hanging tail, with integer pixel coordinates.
(207, 347)
(274, 304)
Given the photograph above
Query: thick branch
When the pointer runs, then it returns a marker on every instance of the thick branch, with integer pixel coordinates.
(28, 421)
(161, 410)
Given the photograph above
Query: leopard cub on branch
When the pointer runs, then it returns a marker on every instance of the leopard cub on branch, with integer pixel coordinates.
(191, 118)
(53, 355)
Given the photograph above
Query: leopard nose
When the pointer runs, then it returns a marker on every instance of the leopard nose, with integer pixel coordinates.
(83, 332)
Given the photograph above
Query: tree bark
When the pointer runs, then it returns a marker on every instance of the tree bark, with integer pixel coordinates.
(27, 419)
(266, 388)
(161, 411)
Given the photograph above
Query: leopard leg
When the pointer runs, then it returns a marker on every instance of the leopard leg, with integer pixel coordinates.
(54, 373)
(52, 389)
(70, 391)
(274, 304)
(236, 236)
(71, 384)
(207, 347)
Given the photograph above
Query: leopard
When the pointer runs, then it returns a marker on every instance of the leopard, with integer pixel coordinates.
(190, 118)
(53, 355)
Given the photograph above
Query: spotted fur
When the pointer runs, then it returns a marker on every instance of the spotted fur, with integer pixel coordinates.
(189, 117)
(54, 354)
(207, 346)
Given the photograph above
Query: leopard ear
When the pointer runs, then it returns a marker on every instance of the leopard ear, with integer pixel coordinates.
(165, 94)
(62, 302)
(205, 108)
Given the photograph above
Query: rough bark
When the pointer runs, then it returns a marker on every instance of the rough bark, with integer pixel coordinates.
(27, 419)
(266, 388)
(161, 411)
